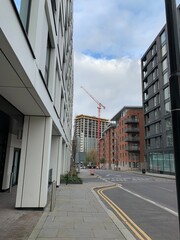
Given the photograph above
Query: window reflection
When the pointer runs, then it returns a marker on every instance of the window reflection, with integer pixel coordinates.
(23, 8)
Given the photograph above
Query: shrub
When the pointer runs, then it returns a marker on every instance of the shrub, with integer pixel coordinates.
(71, 177)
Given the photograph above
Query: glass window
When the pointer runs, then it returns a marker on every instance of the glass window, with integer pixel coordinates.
(168, 124)
(166, 163)
(153, 75)
(47, 64)
(153, 62)
(166, 93)
(148, 144)
(165, 78)
(163, 50)
(154, 161)
(53, 4)
(144, 72)
(160, 162)
(164, 64)
(154, 87)
(157, 142)
(145, 84)
(169, 139)
(150, 163)
(155, 101)
(157, 128)
(145, 95)
(156, 113)
(167, 107)
(163, 37)
(153, 50)
(171, 158)
(23, 7)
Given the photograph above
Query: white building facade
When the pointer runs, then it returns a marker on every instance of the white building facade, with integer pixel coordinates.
(36, 96)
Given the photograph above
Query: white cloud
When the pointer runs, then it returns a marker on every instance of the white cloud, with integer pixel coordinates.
(117, 27)
(114, 83)
(110, 37)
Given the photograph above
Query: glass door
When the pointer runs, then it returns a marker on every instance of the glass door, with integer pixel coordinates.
(15, 167)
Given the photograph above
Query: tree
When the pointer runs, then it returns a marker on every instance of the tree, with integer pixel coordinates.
(102, 160)
(91, 157)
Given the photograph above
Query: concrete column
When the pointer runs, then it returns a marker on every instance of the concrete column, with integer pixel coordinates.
(34, 163)
(59, 170)
(68, 158)
(56, 158)
(64, 159)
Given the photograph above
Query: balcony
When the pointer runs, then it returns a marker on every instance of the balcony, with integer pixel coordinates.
(132, 129)
(132, 139)
(131, 120)
(130, 148)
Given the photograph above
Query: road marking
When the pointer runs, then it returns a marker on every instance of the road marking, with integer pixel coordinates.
(150, 201)
(134, 228)
(169, 190)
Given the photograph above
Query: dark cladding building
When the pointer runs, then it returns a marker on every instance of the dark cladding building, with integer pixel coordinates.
(157, 107)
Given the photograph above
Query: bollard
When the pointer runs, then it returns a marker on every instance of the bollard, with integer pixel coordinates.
(53, 196)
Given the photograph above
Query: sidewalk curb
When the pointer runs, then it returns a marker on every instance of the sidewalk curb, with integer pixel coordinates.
(172, 177)
(126, 233)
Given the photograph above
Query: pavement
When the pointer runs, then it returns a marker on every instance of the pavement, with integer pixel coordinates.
(79, 214)
(160, 175)
(15, 224)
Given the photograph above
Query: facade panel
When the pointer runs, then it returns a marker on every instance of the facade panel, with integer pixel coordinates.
(36, 75)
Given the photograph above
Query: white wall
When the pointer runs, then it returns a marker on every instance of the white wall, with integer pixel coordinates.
(41, 105)
(34, 163)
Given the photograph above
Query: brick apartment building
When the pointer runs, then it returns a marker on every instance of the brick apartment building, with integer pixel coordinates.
(106, 146)
(122, 144)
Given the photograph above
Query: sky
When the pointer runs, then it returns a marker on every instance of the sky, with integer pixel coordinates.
(110, 38)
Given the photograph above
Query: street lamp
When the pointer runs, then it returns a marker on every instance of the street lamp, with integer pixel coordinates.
(174, 83)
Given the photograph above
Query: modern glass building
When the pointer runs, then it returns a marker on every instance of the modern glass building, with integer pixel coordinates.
(157, 107)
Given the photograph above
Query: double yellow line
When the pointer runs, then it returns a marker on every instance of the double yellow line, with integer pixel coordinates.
(138, 232)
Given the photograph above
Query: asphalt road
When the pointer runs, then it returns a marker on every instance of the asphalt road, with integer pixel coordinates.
(149, 201)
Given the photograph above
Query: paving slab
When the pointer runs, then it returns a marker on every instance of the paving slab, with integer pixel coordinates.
(15, 224)
(78, 215)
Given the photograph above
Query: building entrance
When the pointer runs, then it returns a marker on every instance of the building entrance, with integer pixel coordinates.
(15, 167)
